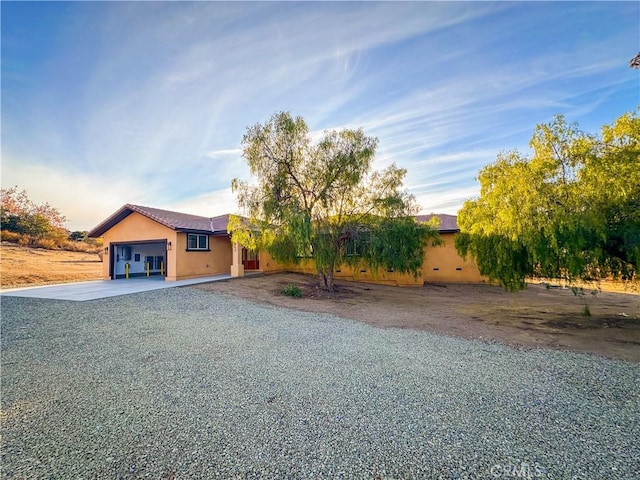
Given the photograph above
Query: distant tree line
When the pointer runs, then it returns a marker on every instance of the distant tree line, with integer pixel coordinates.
(28, 223)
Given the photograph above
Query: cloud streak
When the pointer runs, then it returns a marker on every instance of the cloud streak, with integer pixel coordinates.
(147, 102)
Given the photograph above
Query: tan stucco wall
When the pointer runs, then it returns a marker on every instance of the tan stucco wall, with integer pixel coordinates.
(365, 274)
(446, 259)
(192, 264)
(181, 264)
(306, 266)
(137, 227)
(268, 264)
(188, 264)
(352, 274)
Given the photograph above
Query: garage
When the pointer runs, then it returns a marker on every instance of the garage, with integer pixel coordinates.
(144, 242)
(138, 259)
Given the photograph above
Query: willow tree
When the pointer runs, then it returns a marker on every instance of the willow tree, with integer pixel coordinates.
(571, 210)
(323, 201)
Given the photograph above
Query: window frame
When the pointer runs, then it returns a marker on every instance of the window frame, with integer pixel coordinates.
(198, 238)
(357, 245)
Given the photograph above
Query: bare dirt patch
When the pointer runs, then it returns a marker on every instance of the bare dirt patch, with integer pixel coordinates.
(23, 266)
(536, 317)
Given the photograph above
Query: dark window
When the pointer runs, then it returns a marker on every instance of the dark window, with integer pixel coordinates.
(136, 257)
(126, 253)
(197, 242)
(356, 245)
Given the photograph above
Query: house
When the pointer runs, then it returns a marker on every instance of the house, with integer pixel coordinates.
(144, 241)
(149, 242)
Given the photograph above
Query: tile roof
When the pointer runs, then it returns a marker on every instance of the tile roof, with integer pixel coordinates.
(174, 220)
(180, 221)
(448, 223)
(185, 222)
(220, 222)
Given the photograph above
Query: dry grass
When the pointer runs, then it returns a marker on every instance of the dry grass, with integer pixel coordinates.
(23, 266)
(54, 242)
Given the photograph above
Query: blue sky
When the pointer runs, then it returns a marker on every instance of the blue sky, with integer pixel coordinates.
(142, 102)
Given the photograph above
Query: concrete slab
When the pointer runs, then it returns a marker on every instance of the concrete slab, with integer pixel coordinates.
(83, 291)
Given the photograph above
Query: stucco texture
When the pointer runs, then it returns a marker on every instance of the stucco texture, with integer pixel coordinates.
(135, 228)
(443, 264)
(440, 264)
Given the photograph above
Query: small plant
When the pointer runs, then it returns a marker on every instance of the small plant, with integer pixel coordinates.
(292, 290)
(580, 292)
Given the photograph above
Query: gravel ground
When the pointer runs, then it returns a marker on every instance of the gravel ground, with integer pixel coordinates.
(182, 383)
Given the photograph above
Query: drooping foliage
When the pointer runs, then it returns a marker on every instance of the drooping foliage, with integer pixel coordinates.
(323, 201)
(571, 210)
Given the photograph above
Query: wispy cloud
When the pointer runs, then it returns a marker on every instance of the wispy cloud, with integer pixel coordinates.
(149, 101)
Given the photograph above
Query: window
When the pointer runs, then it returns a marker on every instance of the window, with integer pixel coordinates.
(197, 242)
(357, 245)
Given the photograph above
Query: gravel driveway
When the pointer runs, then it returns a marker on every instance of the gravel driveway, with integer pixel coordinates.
(182, 383)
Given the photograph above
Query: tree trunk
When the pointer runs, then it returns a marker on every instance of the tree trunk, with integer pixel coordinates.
(326, 280)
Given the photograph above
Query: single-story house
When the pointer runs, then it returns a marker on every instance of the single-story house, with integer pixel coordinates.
(143, 242)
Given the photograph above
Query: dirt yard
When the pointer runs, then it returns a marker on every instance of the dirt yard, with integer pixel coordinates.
(22, 266)
(536, 317)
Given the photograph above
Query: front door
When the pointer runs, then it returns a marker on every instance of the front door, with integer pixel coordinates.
(250, 260)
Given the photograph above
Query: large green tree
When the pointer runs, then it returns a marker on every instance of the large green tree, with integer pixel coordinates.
(570, 210)
(323, 200)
